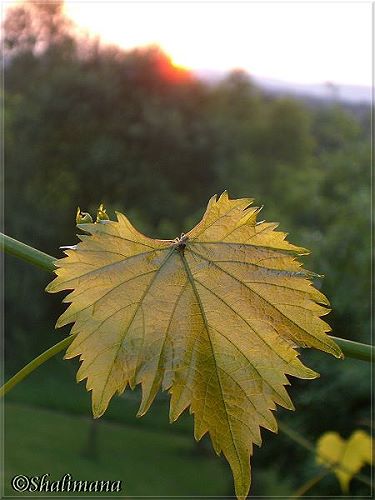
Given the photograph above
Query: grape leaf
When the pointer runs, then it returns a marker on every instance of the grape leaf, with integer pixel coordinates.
(345, 457)
(213, 317)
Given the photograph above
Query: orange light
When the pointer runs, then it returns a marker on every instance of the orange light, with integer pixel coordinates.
(171, 70)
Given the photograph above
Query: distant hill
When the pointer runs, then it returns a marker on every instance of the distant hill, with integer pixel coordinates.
(354, 94)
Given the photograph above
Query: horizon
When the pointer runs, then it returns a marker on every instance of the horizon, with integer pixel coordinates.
(219, 36)
(211, 37)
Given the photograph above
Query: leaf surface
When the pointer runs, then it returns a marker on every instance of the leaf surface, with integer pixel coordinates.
(214, 317)
(345, 457)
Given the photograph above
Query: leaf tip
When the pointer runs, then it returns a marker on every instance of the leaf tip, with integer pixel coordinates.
(145, 405)
(98, 410)
(82, 217)
(334, 348)
(300, 250)
(340, 355)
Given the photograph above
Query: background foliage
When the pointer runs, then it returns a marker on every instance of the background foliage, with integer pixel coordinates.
(86, 123)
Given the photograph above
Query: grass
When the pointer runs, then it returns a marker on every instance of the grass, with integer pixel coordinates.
(53, 386)
(48, 425)
(148, 462)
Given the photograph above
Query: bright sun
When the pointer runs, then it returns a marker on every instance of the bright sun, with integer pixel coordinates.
(187, 35)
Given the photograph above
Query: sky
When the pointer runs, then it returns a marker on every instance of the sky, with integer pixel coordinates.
(301, 42)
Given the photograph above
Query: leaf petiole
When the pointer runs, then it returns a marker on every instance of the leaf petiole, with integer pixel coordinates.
(14, 247)
(34, 364)
(357, 350)
(27, 253)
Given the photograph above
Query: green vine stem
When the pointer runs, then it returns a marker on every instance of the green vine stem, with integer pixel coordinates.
(33, 365)
(14, 247)
(357, 350)
(29, 254)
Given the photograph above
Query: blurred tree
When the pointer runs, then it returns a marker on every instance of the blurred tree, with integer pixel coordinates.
(36, 28)
(86, 123)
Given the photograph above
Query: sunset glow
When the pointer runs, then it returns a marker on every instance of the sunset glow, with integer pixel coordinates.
(300, 42)
(296, 42)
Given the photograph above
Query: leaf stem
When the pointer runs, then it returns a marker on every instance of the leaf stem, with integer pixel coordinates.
(27, 253)
(14, 247)
(357, 350)
(30, 367)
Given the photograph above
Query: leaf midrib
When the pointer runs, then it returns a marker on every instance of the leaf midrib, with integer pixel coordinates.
(204, 317)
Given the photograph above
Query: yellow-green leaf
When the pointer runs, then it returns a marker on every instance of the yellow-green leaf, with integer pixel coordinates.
(213, 317)
(345, 457)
